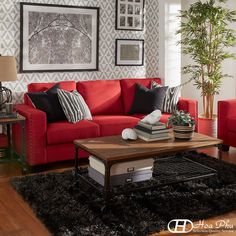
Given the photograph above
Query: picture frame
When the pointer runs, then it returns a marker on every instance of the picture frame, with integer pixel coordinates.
(130, 15)
(129, 52)
(58, 38)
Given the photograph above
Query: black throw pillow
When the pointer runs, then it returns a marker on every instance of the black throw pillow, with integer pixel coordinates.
(147, 100)
(49, 103)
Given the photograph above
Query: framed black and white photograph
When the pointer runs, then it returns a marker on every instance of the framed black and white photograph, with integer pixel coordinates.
(129, 52)
(58, 38)
(129, 14)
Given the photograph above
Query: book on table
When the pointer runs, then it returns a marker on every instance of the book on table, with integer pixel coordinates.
(156, 126)
(4, 115)
(148, 135)
(150, 131)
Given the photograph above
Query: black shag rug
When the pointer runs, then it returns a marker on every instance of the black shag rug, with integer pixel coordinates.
(61, 202)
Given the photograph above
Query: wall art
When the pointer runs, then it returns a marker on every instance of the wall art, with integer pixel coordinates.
(129, 14)
(129, 52)
(58, 38)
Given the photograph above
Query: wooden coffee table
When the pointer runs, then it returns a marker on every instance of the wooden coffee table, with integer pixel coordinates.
(113, 149)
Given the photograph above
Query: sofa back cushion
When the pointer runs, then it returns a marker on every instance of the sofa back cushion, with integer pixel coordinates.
(41, 87)
(128, 90)
(103, 97)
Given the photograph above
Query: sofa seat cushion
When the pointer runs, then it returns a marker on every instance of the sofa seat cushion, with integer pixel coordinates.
(103, 97)
(65, 132)
(128, 90)
(231, 123)
(163, 119)
(113, 125)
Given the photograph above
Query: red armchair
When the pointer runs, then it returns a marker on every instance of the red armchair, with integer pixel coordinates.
(227, 123)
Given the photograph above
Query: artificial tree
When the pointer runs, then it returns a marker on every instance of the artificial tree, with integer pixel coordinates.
(206, 35)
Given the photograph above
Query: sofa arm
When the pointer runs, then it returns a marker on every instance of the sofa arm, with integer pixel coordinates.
(226, 108)
(35, 127)
(190, 106)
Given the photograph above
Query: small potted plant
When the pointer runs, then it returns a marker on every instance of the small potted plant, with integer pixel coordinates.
(183, 125)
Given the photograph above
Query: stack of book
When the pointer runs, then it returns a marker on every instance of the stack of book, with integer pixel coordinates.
(154, 132)
(4, 115)
(121, 173)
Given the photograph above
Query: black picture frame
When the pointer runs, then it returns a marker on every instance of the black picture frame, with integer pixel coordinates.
(66, 16)
(126, 16)
(129, 45)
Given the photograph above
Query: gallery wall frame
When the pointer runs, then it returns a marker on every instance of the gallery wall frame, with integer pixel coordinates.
(129, 52)
(58, 38)
(130, 15)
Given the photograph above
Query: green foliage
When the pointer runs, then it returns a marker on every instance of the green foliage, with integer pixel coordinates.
(205, 37)
(181, 118)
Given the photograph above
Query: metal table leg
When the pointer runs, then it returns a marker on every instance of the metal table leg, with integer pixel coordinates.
(220, 147)
(107, 188)
(23, 148)
(76, 159)
(9, 152)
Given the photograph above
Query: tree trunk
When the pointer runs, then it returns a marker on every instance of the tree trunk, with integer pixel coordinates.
(207, 112)
(211, 106)
(208, 106)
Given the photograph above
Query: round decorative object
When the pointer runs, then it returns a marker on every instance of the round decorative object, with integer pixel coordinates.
(152, 118)
(183, 132)
(129, 134)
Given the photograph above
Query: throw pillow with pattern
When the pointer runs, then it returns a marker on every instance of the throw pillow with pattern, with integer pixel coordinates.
(74, 106)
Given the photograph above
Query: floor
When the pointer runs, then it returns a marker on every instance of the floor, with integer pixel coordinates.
(17, 218)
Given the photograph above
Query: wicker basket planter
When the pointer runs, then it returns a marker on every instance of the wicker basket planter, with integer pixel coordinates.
(183, 132)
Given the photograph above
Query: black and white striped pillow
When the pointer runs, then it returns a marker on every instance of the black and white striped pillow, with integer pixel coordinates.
(171, 98)
(74, 106)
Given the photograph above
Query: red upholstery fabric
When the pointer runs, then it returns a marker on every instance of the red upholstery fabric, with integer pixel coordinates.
(227, 122)
(113, 125)
(128, 90)
(164, 117)
(3, 141)
(102, 96)
(36, 128)
(231, 124)
(63, 152)
(190, 106)
(65, 132)
(140, 116)
(40, 87)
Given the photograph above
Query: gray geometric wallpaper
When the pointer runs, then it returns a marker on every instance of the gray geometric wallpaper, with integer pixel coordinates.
(10, 44)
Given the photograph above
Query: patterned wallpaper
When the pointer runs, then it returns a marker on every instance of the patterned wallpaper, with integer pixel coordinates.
(10, 44)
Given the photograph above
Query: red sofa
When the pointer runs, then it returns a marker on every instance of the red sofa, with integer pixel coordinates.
(109, 102)
(227, 123)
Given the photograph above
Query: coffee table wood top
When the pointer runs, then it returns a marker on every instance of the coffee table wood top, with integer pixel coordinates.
(114, 148)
